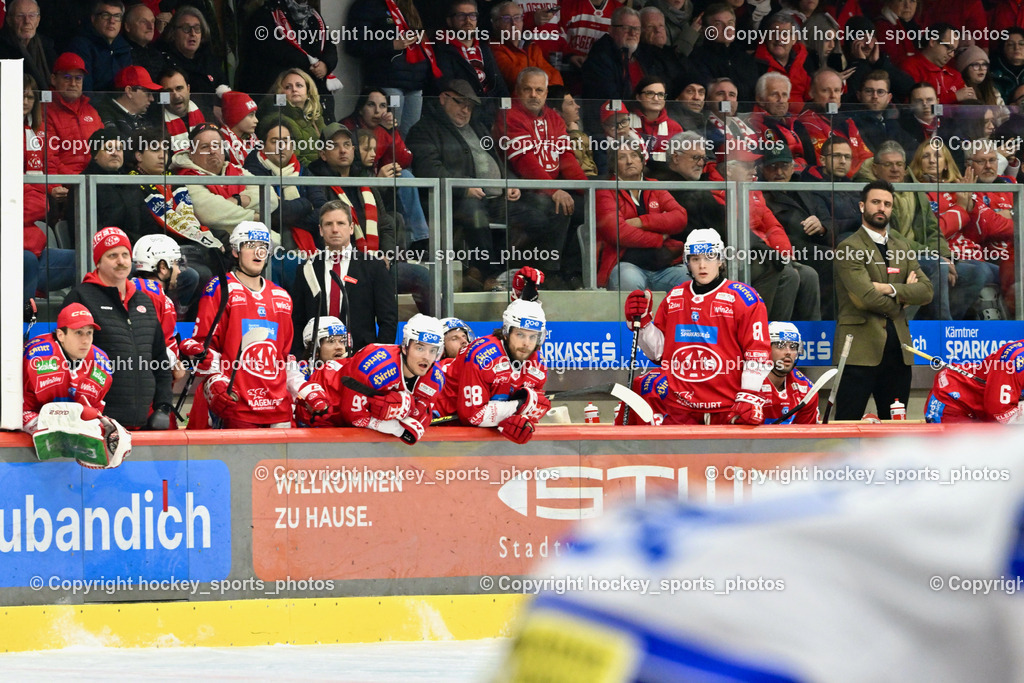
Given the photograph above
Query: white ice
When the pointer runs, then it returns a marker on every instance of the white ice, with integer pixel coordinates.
(448, 661)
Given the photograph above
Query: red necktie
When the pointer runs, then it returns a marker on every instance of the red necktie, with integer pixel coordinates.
(335, 308)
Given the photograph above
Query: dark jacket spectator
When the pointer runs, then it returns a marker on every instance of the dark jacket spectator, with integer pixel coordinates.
(410, 68)
(139, 31)
(20, 39)
(188, 47)
(102, 47)
(716, 60)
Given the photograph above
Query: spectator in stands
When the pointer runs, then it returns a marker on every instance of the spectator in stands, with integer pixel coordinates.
(139, 31)
(681, 26)
(821, 37)
(128, 110)
(302, 105)
(616, 129)
(862, 53)
(652, 122)
(462, 55)
(953, 211)
(128, 329)
(772, 118)
(188, 47)
(1007, 14)
(820, 121)
(920, 120)
(584, 23)
(689, 113)
(363, 294)
(721, 56)
(789, 288)
(843, 209)
(537, 147)
(973, 65)
(239, 113)
(688, 160)
(913, 219)
(401, 63)
(513, 53)
(20, 39)
(968, 16)
(1008, 62)
(931, 65)
(725, 129)
(897, 29)
(879, 122)
(782, 53)
(101, 46)
(298, 39)
(638, 231)
(616, 62)
(275, 157)
(219, 207)
(372, 112)
(562, 102)
(805, 217)
(664, 60)
(107, 149)
(57, 269)
(70, 119)
(446, 143)
(180, 114)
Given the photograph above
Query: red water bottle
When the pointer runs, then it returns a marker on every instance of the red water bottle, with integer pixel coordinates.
(591, 415)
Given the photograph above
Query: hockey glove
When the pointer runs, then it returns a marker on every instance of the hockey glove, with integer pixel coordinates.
(532, 405)
(525, 283)
(393, 405)
(207, 362)
(748, 409)
(413, 430)
(516, 429)
(638, 307)
(160, 418)
(315, 399)
(221, 402)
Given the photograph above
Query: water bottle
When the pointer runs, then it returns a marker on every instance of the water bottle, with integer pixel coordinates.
(591, 415)
(897, 411)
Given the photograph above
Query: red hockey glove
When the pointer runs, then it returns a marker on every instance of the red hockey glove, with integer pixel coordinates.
(748, 409)
(532, 404)
(393, 405)
(217, 394)
(413, 430)
(638, 307)
(525, 283)
(516, 429)
(315, 399)
(204, 360)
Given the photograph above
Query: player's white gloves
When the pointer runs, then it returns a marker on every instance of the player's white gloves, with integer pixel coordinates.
(748, 409)
(413, 430)
(393, 405)
(532, 404)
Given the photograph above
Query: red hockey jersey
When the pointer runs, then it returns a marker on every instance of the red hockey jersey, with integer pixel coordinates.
(709, 340)
(583, 24)
(379, 366)
(482, 377)
(165, 311)
(652, 386)
(328, 377)
(261, 377)
(49, 376)
(782, 402)
(995, 401)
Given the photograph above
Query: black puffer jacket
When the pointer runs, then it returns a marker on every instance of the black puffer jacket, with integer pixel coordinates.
(132, 338)
(382, 66)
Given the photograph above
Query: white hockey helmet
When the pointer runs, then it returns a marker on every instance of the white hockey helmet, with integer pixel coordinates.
(450, 324)
(528, 315)
(424, 329)
(329, 327)
(150, 250)
(785, 332)
(705, 241)
(249, 231)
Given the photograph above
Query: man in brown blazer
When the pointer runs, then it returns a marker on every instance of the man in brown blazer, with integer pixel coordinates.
(876, 277)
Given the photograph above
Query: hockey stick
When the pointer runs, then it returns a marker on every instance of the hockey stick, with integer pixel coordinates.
(633, 401)
(317, 292)
(939, 364)
(222, 280)
(825, 378)
(632, 364)
(839, 377)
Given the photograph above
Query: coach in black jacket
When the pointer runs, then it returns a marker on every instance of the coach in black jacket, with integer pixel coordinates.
(129, 332)
(368, 304)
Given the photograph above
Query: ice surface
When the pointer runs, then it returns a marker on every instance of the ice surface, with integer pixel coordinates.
(474, 660)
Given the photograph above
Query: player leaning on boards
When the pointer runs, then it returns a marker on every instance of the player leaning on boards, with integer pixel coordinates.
(247, 359)
(330, 354)
(66, 379)
(989, 391)
(498, 380)
(710, 336)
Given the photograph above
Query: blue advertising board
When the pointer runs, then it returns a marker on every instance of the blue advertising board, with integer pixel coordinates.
(59, 521)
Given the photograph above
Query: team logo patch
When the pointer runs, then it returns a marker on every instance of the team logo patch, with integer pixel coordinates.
(140, 308)
(697, 333)
(373, 360)
(383, 376)
(696, 363)
(748, 296)
(261, 311)
(695, 316)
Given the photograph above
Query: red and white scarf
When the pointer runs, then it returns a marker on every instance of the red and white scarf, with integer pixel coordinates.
(414, 54)
(281, 19)
(289, 170)
(472, 54)
(178, 128)
(366, 236)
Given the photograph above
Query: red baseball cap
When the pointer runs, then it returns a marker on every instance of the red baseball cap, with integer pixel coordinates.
(69, 61)
(74, 316)
(608, 111)
(135, 76)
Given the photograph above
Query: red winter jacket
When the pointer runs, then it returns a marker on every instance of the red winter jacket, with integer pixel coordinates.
(946, 79)
(385, 140)
(795, 70)
(69, 125)
(662, 216)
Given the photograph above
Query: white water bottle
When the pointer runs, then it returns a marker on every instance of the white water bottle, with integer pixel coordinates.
(591, 415)
(897, 411)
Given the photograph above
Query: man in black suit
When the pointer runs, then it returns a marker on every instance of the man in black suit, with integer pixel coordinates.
(366, 301)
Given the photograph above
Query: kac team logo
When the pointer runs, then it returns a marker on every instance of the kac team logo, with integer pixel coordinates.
(696, 363)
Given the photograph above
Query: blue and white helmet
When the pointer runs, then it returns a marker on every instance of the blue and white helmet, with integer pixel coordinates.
(528, 315)
(249, 231)
(785, 332)
(705, 241)
(329, 327)
(426, 330)
(450, 324)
